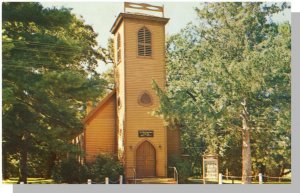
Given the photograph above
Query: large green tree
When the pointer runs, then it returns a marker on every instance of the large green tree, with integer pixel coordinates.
(229, 78)
(49, 61)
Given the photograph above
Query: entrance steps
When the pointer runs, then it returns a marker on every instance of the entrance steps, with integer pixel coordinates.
(153, 181)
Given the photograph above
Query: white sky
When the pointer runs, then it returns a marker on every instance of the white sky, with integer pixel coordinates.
(101, 15)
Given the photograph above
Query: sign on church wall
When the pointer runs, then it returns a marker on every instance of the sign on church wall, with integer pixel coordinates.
(146, 133)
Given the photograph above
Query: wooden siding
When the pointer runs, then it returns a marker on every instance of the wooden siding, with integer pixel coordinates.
(100, 131)
(139, 73)
(120, 93)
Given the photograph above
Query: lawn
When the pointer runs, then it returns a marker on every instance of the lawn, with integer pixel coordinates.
(29, 181)
(190, 181)
(200, 181)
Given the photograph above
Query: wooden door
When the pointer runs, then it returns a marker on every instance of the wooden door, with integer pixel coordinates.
(145, 160)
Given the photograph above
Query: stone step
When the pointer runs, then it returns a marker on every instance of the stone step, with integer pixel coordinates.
(154, 181)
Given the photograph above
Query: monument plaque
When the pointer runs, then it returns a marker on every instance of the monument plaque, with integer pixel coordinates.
(210, 168)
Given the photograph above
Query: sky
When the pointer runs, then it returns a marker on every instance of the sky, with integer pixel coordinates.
(101, 16)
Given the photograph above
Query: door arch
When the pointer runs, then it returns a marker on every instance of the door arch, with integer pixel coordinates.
(145, 160)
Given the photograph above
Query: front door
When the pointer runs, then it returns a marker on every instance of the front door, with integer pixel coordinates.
(145, 160)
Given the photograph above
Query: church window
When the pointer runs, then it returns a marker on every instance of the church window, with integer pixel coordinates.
(145, 99)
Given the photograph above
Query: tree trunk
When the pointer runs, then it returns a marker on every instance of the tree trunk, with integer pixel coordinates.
(281, 170)
(23, 160)
(51, 164)
(246, 150)
(246, 179)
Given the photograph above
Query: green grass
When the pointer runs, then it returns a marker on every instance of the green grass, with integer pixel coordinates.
(200, 181)
(29, 181)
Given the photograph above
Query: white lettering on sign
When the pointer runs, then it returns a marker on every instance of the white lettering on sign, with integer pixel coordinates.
(211, 169)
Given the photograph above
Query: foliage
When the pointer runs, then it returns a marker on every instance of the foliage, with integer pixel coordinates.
(108, 54)
(273, 147)
(70, 171)
(229, 79)
(11, 166)
(183, 167)
(231, 161)
(108, 75)
(105, 166)
(49, 61)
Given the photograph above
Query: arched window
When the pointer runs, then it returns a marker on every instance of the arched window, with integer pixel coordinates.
(118, 48)
(144, 42)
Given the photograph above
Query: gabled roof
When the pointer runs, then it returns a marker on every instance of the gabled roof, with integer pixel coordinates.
(99, 106)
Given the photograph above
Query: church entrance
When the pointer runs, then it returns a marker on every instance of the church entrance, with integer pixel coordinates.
(145, 160)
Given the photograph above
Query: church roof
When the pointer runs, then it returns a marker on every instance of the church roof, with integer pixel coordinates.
(99, 106)
(121, 16)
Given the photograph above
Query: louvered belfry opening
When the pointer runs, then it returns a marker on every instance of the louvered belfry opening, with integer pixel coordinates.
(118, 48)
(144, 42)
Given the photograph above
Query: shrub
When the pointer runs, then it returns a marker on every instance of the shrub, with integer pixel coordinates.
(70, 171)
(183, 168)
(105, 166)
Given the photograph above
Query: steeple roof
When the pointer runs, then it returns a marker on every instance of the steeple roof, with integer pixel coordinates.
(142, 16)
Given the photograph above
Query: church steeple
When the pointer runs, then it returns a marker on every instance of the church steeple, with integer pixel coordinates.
(140, 58)
(122, 123)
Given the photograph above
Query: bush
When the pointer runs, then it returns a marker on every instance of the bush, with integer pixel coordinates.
(105, 166)
(70, 171)
(184, 168)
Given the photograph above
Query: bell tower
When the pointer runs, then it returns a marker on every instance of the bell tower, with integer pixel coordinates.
(139, 43)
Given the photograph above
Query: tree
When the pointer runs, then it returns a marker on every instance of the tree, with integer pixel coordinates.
(49, 61)
(273, 147)
(227, 74)
(108, 54)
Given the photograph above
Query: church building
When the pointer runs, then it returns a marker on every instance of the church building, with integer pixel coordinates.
(123, 123)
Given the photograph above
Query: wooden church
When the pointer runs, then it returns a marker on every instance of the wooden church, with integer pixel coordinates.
(122, 123)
